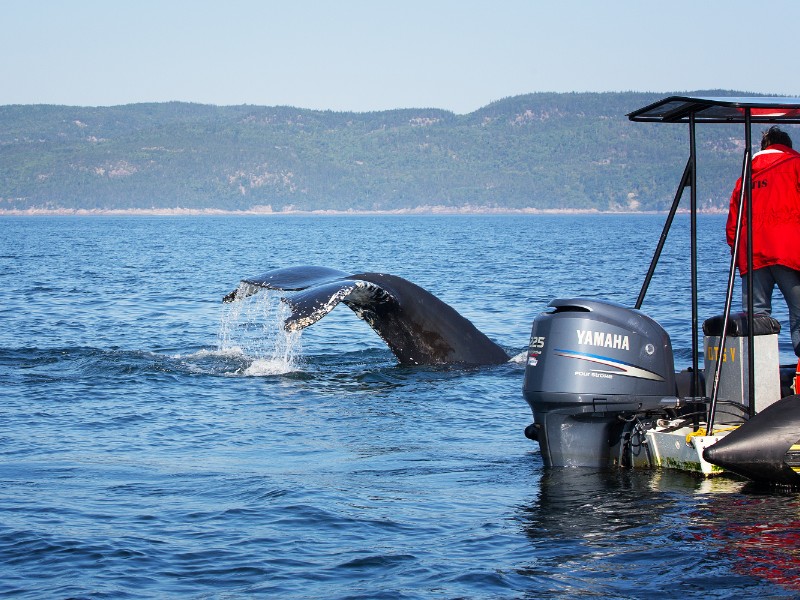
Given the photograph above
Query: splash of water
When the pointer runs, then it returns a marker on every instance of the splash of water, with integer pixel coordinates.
(519, 359)
(253, 328)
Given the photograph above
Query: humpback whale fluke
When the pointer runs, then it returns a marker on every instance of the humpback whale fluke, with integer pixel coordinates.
(419, 328)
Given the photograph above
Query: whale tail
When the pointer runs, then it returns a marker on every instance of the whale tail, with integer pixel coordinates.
(417, 326)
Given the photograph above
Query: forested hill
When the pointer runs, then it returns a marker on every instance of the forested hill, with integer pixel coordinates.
(546, 151)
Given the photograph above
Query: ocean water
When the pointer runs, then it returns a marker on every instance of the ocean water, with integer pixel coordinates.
(155, 443)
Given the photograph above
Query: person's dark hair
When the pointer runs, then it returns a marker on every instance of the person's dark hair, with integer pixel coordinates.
(775, 135)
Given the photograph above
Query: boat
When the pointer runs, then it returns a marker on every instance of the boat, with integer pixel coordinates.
(600, 377)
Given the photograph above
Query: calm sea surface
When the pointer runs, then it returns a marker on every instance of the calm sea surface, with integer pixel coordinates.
(155, 443)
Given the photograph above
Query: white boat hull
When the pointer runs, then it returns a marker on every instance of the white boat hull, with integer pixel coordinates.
(682, 449)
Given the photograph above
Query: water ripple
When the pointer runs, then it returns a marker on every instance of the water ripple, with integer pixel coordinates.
(156, 445)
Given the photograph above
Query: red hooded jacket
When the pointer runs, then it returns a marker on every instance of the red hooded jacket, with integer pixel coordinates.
(776, 211)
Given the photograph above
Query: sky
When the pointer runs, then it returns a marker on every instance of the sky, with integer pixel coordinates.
(362, 55)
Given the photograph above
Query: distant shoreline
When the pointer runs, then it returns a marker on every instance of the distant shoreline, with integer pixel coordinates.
(419, 211)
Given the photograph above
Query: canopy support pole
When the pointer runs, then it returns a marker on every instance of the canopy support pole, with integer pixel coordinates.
(747, 184)
(729, 295)
(685, 182)
(689, 179)
(745, 198)
(693, 215)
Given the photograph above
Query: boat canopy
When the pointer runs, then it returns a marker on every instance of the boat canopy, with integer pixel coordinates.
(707, 109)
(695, 110)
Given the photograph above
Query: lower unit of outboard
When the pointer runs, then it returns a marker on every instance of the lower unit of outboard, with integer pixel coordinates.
(593, 367)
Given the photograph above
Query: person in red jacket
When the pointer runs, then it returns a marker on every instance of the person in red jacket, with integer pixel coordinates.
(776, 228)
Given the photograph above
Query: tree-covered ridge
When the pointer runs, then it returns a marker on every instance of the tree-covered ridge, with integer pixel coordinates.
(547, 151)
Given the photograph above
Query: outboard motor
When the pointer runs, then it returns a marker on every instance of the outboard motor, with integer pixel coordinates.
(593, 365)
